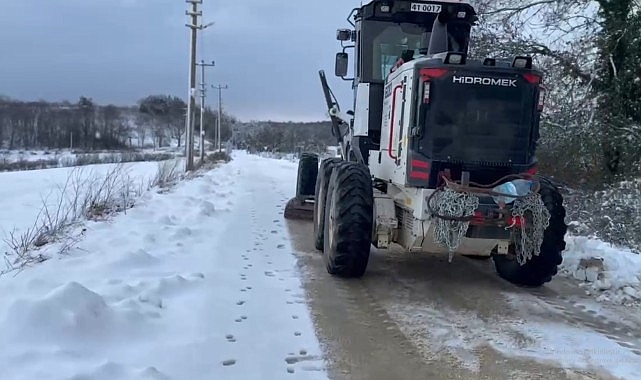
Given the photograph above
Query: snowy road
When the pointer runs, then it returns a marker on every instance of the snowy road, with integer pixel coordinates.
(419, 317)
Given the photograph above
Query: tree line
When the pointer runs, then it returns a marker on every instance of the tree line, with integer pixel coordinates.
(155, 121)
(284, 137)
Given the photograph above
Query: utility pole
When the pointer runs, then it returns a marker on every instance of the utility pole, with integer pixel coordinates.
(220, 89)
(191, 105)
(203, 91)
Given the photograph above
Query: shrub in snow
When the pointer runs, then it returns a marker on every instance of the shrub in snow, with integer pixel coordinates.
(218, 156)
(612, 214)
(84, 196)
(167, 175)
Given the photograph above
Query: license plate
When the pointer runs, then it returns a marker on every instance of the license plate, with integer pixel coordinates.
(427, 8)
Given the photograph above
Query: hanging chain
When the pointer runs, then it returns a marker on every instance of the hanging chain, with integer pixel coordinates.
(453, 209)
(536, 218)
(451, 203)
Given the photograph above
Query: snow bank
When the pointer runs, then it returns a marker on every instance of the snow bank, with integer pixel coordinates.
(195, 283)
(620, 279)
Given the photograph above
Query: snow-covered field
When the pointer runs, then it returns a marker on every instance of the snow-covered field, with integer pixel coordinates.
(8, 156)
(197, 283)
(32, 160)
(22, 193)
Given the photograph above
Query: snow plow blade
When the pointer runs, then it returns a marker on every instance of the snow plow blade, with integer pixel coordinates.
(300, 209)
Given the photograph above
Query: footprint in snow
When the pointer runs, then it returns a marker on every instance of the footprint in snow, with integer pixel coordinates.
(229, 362)
(207, 208)
(151, 300)
(269, 274)
(292, 359)
(239, 303)
(280, 246)
(183, 232)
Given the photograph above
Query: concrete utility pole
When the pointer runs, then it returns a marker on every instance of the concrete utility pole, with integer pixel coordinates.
(191, 104)
(220, 89)
(203, 91)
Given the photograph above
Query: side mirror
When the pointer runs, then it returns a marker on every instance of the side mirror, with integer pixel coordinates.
(343, 34)
(342, 61)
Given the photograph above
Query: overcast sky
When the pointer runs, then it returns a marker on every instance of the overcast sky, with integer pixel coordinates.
(118, 51)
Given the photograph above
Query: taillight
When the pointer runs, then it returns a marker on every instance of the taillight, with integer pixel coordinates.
(542, 95)
(532, 78)
(426, 76)
(536, 79)
(516, 221)
(426, 91)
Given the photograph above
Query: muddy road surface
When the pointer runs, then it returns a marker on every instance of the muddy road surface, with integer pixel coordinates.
(416, 316)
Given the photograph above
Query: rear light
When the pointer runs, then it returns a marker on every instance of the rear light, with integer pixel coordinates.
(533, 170)
(426, 76)
(516, 221)
(542, 95)
(536, 79)
(420, 164)
(532, 78)
(426, 91)
(478, 218)
(420, 170)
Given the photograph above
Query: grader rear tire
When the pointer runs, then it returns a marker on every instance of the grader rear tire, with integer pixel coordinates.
(322, 182)
(348, 220)
(540, 269)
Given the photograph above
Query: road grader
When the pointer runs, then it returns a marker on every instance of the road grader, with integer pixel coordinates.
(438, 154)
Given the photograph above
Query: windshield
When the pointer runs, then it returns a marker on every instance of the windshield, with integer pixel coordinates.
(384, 43)
(389, 42)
